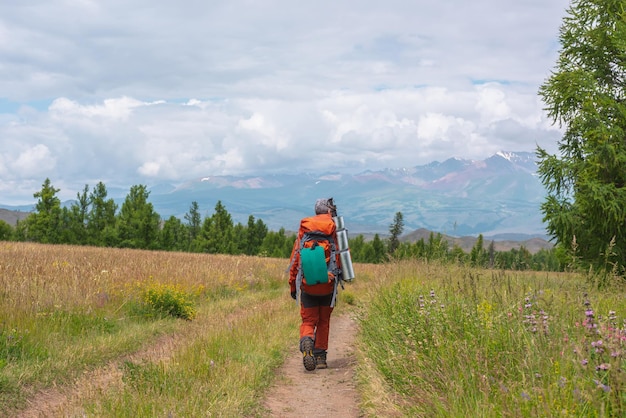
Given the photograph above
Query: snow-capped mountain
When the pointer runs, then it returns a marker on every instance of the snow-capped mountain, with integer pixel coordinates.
(498, 195)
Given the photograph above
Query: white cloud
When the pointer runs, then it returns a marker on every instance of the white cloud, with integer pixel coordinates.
(34, 161)
(119, 108)
(141, 92)
(492, 104)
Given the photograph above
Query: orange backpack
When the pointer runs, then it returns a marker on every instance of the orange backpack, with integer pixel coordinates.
(318, 252)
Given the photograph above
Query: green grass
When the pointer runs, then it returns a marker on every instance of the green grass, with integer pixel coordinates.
(221, 372)
(454, 342)
(56, 348)
(434, 340)
(66, 312)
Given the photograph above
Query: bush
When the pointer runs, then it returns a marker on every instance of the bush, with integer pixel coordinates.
(168, 300)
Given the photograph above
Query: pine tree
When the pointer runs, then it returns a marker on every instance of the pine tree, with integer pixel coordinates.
(586, 94)
(137, 222)
(44, 224)
(395, 230)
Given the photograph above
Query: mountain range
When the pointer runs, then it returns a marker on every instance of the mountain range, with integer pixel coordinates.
(498, 197)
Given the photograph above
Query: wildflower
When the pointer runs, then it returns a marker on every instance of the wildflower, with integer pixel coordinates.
(544, 321)
(584, 362)
(528, 305)
(602, 386)
(525, 396)
(603, 366)
(598, 346)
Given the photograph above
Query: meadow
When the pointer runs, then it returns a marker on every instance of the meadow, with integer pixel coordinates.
(202, 335)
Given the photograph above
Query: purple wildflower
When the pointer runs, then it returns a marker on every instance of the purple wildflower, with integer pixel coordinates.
(602, 386)
(603, 366)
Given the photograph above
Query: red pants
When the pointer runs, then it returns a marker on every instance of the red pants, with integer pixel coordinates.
(315, 312)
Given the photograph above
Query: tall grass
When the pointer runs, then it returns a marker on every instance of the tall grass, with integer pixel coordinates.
(445, 341)
(65, 310)
(434, 340)
(221, 373)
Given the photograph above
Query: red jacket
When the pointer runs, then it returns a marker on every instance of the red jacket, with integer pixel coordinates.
(323, 223)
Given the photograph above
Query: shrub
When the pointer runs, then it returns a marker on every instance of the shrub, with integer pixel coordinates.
(168, 300)
(347, 296)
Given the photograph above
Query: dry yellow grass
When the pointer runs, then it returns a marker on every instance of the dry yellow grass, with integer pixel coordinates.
(63, 309)
(36, 277)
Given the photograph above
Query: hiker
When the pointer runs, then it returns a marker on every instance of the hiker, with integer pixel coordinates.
(317, 295)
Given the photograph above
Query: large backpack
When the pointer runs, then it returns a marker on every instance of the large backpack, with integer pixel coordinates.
(318, 258)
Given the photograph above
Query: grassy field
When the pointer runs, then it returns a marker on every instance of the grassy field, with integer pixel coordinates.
(440, 341)
(211, 330)
(67, 310)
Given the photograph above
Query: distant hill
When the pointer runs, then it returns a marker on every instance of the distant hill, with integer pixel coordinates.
(12, 216)
(466, 243)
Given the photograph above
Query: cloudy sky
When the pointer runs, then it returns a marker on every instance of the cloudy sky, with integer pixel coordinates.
(145, 91)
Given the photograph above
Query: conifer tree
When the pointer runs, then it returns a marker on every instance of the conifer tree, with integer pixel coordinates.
(137, 222)
(378, 248)
(586, 95)
(6, 231)
(101, 217)
(194, 221)
(74, 228)
(395, 230)
(44, 224)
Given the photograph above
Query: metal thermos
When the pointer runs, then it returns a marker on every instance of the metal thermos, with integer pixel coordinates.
(344, 250)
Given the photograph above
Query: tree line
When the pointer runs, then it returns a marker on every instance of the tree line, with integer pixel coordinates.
(95, 219)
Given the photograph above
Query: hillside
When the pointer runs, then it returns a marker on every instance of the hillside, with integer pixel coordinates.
(466, 243)
(12, 216)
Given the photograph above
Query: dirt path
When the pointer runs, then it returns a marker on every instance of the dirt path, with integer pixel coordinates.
(321, 393)
(65, 401)
(296, 392)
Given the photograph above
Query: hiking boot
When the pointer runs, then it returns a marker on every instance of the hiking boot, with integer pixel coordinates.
(308, 359)
(320, 360)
